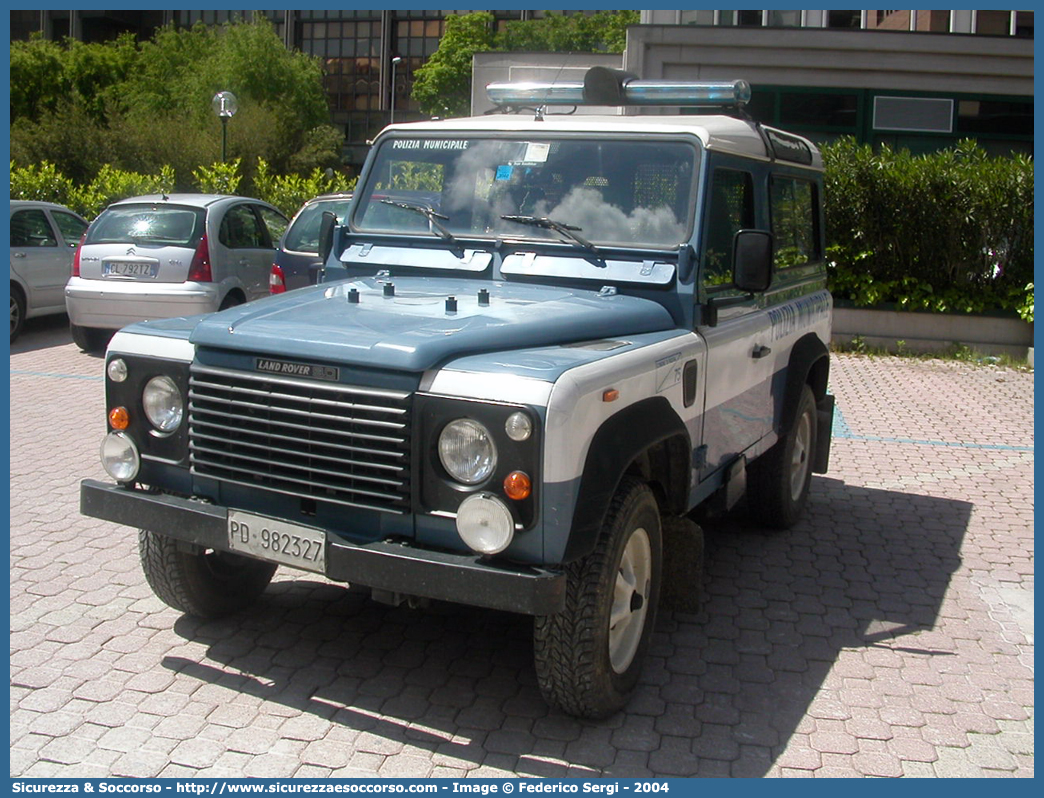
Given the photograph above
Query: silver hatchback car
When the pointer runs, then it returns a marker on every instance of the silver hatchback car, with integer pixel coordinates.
(161, 256)
(43, 239)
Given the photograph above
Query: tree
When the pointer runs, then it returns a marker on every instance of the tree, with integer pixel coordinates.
(141, 106)
(442, 87)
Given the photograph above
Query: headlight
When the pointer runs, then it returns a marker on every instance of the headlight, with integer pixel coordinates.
(485, 524)
(467, 451)
(163, 404)
(119, 457)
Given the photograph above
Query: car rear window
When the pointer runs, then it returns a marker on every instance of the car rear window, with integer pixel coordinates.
(169, 225)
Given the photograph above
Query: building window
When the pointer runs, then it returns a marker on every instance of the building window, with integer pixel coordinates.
(845, 19)
(784, 19)
(1024, 24)
(995, 117)
(888, 20)
(702, 17)
(818, 109)
(993, 23)
(750, 18)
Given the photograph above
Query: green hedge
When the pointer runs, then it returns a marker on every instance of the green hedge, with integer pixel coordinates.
(287, 192)
(950, 231)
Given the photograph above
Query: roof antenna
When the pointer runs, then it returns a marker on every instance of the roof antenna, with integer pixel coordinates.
(541, 109)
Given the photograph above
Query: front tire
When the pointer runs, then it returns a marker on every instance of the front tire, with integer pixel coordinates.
(779, 480)
(589, 656)
(198, 582)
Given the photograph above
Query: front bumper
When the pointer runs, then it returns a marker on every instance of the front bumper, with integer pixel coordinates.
(394, 567)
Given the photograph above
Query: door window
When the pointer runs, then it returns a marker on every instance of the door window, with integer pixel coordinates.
(793, 222)
(71, 227)
(731, 210)
(29, 228)
(240, 229)
(275, 222)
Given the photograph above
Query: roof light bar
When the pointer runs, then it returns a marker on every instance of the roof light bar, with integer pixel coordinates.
(603, 86)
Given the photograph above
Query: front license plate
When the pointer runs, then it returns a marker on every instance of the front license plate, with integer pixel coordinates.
(131, 269)
(277, 541)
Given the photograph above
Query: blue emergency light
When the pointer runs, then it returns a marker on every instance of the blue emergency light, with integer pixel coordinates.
(602, 86)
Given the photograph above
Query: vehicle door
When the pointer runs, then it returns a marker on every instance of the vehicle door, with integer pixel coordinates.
(246, 250)
(738, 410)
(275, 225)
(41, 257)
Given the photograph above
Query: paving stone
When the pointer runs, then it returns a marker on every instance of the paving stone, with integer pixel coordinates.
(847, 647)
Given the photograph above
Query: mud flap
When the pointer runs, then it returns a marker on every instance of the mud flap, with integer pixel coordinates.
(682, 564)
(824, 430)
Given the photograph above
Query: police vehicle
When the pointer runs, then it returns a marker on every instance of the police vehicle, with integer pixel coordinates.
(541, 342)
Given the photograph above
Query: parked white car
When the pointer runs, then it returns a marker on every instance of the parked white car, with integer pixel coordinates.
(43, 240)
(169, 255)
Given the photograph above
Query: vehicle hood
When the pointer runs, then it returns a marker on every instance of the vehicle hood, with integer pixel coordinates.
(413, 330)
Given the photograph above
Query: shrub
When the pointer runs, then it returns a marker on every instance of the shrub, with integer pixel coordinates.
(111, 185)
(42, 182)
(290, 192)
(948, 231)
(218, 178)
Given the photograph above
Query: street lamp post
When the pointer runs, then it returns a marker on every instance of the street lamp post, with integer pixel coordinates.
(225, 106)
(394, 63)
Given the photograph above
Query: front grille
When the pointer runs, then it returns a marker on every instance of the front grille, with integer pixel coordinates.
(336, 443)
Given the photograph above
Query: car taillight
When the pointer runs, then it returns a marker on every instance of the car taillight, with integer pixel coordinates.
(276, 283)
(199, 271)
(76, 256)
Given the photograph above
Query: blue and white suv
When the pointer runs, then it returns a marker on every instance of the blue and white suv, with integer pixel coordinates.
(552, 339)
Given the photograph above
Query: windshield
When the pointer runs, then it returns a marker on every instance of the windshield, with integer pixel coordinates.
(632, 193)
(167, 225)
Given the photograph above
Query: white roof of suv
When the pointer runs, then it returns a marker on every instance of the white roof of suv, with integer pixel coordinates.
(715, 131)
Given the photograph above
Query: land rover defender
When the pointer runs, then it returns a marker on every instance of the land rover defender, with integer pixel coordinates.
(539, 341)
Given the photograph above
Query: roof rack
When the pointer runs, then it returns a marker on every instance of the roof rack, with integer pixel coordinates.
(603, 86)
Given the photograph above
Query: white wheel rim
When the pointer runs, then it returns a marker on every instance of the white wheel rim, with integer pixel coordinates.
(799, 463)
(630, 600)
(14, 314)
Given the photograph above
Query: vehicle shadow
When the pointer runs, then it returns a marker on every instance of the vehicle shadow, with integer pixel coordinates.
(722, 692)
(43, 332)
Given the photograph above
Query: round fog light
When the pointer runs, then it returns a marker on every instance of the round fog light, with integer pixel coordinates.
(484, 523)
(119, 457)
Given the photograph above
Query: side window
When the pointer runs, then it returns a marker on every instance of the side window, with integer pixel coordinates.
(69, 226)
(793, 222)
(29, 228)
(240, 229)
(731, 210)
(275, 222)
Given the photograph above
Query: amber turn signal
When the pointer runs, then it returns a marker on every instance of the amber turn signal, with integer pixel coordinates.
(517, 486)
(119, 418)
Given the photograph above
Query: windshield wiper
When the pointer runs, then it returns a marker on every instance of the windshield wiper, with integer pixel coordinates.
(568, 230)
(436, 227)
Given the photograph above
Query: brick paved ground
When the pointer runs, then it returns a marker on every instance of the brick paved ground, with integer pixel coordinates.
(888, 634)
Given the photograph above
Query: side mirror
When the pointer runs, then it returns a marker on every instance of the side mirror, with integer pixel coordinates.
(326, 235)
(752, 261)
